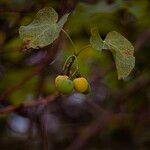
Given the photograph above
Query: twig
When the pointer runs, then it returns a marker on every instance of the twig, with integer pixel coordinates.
(33, 103)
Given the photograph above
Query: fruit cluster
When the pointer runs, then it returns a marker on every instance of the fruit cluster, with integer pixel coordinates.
(65, 85)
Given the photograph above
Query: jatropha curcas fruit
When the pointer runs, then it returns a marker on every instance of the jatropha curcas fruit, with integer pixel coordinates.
(81, 84)
(60, 78)
(64, 84)
(88, 90)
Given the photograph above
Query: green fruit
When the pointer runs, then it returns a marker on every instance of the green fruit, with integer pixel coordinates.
(81, 84)
(65, 86)
(60, 78)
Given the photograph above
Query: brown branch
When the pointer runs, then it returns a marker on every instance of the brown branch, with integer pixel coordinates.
(33, 103)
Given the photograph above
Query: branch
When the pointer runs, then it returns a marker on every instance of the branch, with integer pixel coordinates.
(33, 103)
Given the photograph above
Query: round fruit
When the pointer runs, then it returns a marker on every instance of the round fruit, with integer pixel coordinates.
(65, 86)
(81, 84)
(59, 79)
(88, 90)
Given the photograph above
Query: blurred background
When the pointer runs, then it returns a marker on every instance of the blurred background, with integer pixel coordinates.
(115, 116)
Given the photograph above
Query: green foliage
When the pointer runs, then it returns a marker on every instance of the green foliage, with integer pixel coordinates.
(124, 64)
(116, 41)
(130, 18)
(121, 49)
(95, 40)
(43, 30)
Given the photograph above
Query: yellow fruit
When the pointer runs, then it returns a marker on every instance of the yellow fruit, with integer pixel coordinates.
(88, 90)
(80, 84)
(59, 79)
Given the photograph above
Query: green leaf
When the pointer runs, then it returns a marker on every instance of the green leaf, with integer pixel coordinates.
(95, 40)
(122, 51)
(124, 64)
(116, 41)
(43, 30)
(62, 21)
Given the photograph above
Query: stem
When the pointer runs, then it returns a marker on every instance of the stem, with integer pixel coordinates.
(83, 48)
(69, 65)
(77, 67)
(74, 58)
(70, 40)
(65, 64)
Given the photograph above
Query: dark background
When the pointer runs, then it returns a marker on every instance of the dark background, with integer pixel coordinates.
(115, 116)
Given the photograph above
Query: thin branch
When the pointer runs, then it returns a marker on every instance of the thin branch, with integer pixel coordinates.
(32, 103)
